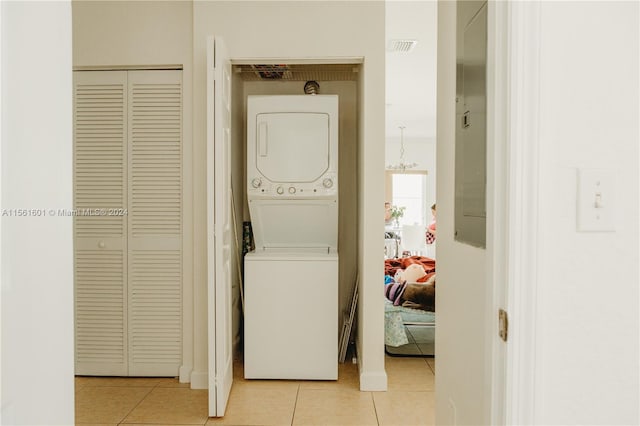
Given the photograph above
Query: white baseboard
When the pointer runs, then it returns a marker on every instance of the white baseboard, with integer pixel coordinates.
(185, 374)
(372, 381)
(199, 380)
(375, 381)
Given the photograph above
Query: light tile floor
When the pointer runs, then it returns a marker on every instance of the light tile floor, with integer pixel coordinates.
(421, 341)
(110, 401)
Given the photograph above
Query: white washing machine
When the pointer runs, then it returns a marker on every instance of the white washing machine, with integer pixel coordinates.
(291, 278)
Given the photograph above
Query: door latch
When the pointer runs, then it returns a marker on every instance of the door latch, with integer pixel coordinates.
(503, 324)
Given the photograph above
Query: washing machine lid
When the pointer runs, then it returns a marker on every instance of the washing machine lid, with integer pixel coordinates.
(310, 225)
(292, 146)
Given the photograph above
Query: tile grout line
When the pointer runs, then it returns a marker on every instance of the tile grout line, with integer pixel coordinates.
(429, 365)
(121, 422)
(295, 405)
(375, 409)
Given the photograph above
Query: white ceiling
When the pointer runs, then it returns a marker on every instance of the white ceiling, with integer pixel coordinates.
(411, 76)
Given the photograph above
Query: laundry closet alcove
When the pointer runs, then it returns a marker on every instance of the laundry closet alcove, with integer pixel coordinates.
(341, 77)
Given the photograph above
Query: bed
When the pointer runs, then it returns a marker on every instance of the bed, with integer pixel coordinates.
(409, 332)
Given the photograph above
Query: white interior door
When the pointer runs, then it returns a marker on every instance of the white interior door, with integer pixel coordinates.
(219, 235)
(471, 314)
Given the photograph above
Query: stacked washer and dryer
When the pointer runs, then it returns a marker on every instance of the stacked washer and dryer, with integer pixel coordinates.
(291, 278)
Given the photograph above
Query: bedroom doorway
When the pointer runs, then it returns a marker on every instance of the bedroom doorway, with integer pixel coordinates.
(410, 182)
(467, 273)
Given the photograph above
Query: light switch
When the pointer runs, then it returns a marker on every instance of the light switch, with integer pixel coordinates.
(596, 200)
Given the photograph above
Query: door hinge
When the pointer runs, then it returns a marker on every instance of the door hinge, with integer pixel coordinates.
(503, 324)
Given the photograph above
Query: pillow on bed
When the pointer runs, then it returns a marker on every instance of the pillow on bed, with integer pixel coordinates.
(394, 291)
(420, 296)
(413, 295)
(413, 273)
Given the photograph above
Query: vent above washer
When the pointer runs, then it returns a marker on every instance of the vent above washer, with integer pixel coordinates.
(401, 45)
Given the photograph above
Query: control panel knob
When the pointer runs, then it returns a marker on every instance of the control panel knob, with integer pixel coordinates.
(280, 190)
(256, 182)
(292, 190)
(327, 183)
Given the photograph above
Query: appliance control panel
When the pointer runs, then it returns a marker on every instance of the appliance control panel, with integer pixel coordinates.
(326, 186)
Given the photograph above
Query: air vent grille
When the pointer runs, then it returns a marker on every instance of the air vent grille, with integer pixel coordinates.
(401, 45)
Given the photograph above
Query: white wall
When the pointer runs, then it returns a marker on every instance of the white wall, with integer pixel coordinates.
(131, 33)
(308, 29)
(37, 252)
(461, 300)
(115, 34)
(587, 325)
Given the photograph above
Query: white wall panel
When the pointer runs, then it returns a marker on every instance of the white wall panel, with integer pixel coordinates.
(587, 327)
(37, 252)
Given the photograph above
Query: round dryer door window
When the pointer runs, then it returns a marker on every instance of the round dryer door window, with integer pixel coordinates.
(292, 147)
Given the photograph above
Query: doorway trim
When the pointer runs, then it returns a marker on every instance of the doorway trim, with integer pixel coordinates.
(513, 173)
(514, 399)
(497, 206)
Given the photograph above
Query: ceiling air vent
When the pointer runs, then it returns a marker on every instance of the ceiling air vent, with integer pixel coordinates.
(401, 45)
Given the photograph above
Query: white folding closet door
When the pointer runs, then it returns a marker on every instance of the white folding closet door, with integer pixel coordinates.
(219, 226)
(155, 222)
(100, 182)
(128, 258)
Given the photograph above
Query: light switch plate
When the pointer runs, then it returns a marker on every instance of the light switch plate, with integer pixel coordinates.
(596, 200)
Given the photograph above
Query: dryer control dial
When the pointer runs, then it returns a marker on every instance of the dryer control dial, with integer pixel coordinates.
(280, 190)
(292, 190)
(327, 183)
(256, 182)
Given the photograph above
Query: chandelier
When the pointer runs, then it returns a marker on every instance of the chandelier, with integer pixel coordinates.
(402, 166)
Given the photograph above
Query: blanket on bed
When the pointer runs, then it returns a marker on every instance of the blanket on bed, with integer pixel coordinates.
(392, 265)
(421, 295)
(413, 295)
(394, 319)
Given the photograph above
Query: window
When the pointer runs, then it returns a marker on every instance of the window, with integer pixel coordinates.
(409, 189)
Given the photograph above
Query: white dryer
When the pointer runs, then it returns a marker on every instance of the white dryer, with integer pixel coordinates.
(291, 278)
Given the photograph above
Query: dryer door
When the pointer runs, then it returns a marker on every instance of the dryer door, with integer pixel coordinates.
(292, 147)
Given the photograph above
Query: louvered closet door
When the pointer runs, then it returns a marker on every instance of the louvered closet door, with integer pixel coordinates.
(100, 188)
(155, 222)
